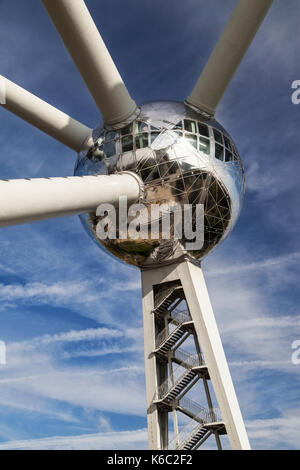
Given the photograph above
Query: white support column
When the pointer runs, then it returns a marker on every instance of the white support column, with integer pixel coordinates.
(193, 283)
(157, 429)
(195, 290)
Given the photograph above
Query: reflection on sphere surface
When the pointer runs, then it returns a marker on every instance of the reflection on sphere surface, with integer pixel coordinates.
(182, 158)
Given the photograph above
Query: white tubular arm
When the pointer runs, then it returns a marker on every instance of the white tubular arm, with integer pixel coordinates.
(30, 200)
(91, 57)
(227, 54)
(45, 117)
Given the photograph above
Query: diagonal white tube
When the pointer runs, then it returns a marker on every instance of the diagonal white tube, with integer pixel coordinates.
(88, 51)
(30, 200)
(227, 54)
(45, 117)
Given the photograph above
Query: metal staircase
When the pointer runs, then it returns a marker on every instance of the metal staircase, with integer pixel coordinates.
(167, 392)
(195, 411)
(189, 361)
(205, 423)
(175, 294)
(173, 332)
(179, 371)
(193, 440)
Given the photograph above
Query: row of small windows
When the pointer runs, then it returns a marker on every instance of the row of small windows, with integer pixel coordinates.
(138, 126)
(144, 140)
(139, 141)
(139, 135)
(224, 149)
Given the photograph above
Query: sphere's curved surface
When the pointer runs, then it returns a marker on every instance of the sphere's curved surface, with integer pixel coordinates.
(183, 159)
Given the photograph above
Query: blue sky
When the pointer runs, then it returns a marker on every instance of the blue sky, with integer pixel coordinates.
(70, 314)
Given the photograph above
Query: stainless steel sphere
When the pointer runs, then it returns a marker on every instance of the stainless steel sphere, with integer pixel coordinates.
(182, 158)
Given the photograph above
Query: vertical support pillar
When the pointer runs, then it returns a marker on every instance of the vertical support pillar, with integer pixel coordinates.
(201, 311)
(157, 420)
(197, 299)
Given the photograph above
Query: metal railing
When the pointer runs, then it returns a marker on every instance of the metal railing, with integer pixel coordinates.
(190, 360)
(211, 415)
(166, 297)
(177, 320)
(192, 428)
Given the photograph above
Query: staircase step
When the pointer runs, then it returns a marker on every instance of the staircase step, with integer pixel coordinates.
(194, 439)
(175, 294)
(171, 339)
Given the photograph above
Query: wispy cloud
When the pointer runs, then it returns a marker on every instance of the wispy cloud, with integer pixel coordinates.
(110, 440)
(70, 336)
(282, 432)
(266, 264)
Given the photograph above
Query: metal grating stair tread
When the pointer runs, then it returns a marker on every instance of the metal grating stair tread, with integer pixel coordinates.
(195, 437)
(172, 296)
(172, 339)
(178, 387)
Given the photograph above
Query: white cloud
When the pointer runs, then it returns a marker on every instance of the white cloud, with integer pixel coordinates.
(118, 390)
(89, 298)
(70, 336)
(34, 379)
(136, 440)
(59, 292)
(266, 264)
(262, 323)
(276, 433)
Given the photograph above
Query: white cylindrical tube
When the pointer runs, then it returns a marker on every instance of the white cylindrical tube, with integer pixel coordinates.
(88, 51)
(29, 200)
(45, 117)
(227, 54)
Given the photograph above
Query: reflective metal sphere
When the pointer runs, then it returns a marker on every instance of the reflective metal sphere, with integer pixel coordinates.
(182, 158)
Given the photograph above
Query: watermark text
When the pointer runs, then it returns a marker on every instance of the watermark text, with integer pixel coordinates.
(295, 358)
(166, 221)
(295, 97)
